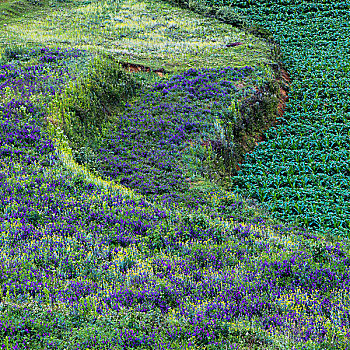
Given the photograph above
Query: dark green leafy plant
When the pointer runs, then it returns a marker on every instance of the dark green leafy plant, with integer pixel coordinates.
(126, 264)
(12, 52)
(228, 15)
(196, 220)
(199, 7)
(260, 31)
(34, 217)
(319, 252)
(155, 240)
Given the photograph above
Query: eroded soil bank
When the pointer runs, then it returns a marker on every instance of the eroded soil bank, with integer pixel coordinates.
(246, 140)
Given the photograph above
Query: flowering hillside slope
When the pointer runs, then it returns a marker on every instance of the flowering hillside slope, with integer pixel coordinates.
(118, 226)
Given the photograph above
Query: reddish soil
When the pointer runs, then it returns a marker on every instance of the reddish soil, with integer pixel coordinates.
(135, 68)
(284, 80)
(281, 76)
(234, 44)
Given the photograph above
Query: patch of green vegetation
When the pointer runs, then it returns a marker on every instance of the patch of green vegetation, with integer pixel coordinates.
(149, 33)
(159, 40)
(94, 256)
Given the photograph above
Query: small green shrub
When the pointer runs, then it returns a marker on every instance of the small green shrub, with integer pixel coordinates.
(180, 3)
(126, 264)
(200, 8)
(319, 252)
(155, 240)
(92, 101)
(196, 220)
(229, 16)
(34, 217)
(36, 2)
(261, 32)
(12, 52)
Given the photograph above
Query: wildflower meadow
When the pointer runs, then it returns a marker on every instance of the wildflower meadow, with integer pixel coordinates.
(174, 175)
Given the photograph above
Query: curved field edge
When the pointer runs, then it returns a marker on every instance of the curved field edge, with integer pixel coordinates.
(309, 154)
(127, 15)
(233, 329)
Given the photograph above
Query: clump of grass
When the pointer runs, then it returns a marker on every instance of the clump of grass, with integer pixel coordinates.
(107, 89)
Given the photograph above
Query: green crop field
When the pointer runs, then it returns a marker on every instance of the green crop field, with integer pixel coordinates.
(174, 174)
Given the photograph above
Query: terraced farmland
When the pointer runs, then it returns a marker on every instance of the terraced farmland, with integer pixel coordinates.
(174, 175)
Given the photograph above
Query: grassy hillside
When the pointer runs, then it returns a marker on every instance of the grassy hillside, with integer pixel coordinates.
(125, 126)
